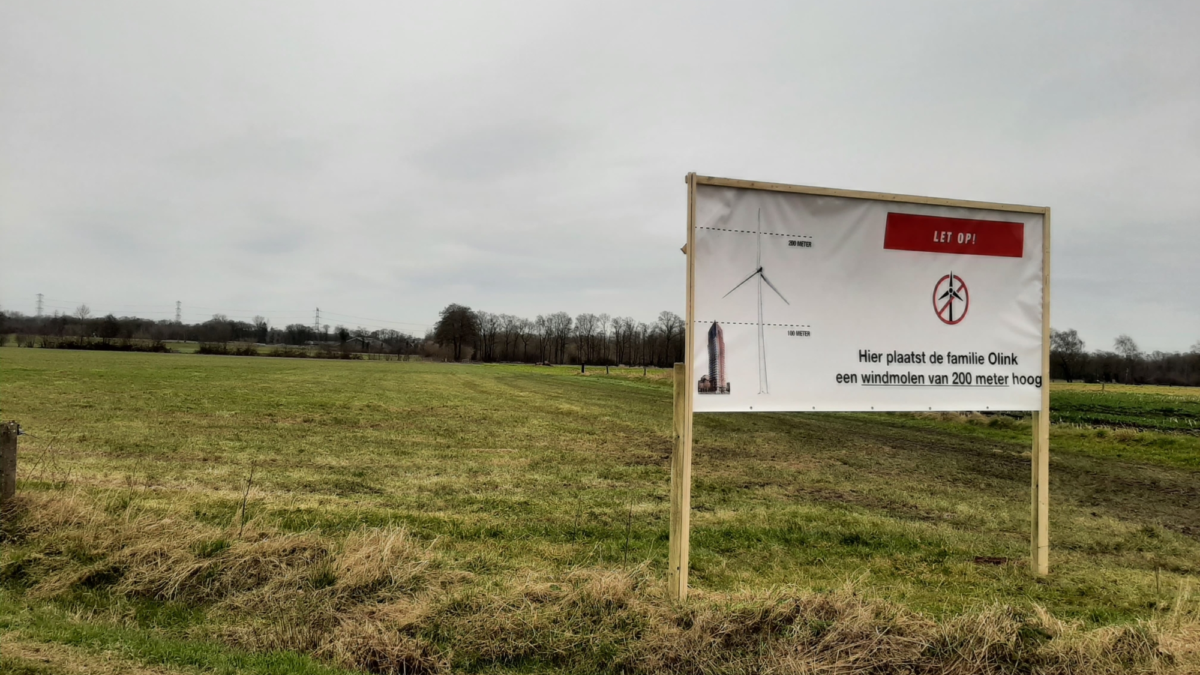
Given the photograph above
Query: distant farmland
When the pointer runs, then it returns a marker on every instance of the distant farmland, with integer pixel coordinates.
(417, 517)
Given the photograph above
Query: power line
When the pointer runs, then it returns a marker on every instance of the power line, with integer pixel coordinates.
(80, 302)
(231, 309)
(365, 318)
(39, 305)
(306, 322)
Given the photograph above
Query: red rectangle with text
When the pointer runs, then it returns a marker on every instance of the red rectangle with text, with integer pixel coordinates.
(935, 234)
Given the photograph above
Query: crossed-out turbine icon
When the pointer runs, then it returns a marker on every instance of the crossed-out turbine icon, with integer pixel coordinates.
(951, 299)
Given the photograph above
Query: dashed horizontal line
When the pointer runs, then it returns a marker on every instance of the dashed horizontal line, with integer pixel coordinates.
(773, 234)
(753, 323)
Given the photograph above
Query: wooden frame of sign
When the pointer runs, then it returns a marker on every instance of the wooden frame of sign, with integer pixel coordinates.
(681, 456)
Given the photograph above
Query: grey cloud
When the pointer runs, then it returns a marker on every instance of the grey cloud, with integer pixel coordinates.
(383, 160)
(256, 151)
(275, 244)
(492, 152)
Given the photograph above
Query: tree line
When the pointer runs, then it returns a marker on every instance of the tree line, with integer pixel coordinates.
(559, 338)
(460, 334)
(218, 329)
(1125, 363)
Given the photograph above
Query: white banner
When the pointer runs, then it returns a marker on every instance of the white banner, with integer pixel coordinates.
(812, 302)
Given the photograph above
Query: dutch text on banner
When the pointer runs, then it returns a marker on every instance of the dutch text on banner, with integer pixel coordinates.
(812, 302)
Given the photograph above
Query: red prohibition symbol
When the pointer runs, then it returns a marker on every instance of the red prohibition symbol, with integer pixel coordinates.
(951, 299)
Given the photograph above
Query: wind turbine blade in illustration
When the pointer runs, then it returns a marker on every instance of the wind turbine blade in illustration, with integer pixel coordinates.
(764, 278)
(950, 296)
(740, 285)
(763, 387)
(950, 290)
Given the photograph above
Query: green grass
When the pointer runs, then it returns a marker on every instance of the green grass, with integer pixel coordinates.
(1133, 407)
(184, 347)
(512, 471)
(136, 642)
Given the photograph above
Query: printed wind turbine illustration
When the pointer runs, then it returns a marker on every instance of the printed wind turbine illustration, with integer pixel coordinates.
(763, 387)
(949, 296)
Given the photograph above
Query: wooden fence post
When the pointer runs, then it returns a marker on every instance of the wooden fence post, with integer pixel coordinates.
(8, 460)
(681, 489)
(1040, 496)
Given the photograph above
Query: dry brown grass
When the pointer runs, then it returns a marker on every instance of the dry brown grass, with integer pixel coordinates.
(24, 656)
(383, 602)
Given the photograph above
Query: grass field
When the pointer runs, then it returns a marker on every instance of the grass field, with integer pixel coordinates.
(1133, 407)
(419, 517)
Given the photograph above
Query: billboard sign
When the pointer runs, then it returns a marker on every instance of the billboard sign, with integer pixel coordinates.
(808, 299)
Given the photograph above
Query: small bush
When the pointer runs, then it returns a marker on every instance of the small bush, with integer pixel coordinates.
(223, 349)
(288, 353)
(103, 345)
(282, 351)
(322, 352)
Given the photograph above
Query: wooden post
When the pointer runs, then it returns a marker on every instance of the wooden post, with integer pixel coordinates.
(1039, 497)
(8, 460)
(1039, 541)
(681, 489)
(681, 453)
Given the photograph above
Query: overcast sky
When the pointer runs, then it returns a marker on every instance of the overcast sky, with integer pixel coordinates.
(381, 160)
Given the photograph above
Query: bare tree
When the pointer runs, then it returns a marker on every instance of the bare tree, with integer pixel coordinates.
(623, 328)
(525, 333)
(671, 327)
(545, 334)
(1126, 347)
(82, 312)
(489, 325)
(585, 335)
(602, 351)
(261, 329)
(218, 329)
(456, 327)
(644, 343)
(560, 330)
(510, 328)
(1066, 347)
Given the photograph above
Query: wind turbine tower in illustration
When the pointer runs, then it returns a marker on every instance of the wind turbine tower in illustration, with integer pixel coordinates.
(762, 277)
